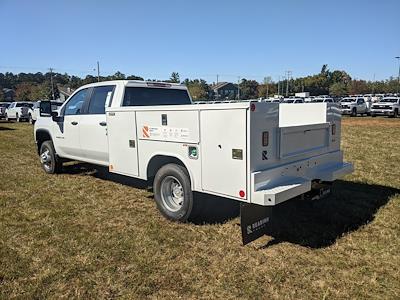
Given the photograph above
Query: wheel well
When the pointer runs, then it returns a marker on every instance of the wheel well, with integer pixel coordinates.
(42, 136)
(156, 162)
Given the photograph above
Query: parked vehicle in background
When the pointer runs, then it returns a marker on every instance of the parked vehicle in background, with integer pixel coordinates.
(293, 100)
(3, 107)
(19, 111)
(353, 106)
(322, 100)
(388, 106)
(55, 105)
(258, 153)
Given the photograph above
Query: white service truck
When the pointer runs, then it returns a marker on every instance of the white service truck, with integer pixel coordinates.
(259, 153)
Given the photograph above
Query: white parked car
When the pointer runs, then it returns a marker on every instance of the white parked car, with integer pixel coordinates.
(258, 153)
(388, 106)
(323, 99)
(19, 111)
(293, 100)
(354, 106)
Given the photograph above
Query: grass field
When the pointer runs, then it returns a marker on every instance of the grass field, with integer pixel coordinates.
(85, 234)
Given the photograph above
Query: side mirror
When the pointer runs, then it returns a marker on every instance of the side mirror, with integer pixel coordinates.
(45, 109)
(55, 117)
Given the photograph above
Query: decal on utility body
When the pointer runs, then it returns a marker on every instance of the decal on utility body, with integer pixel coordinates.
(165, 132)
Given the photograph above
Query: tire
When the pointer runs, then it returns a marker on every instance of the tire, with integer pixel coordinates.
(396, 113)
(17, 118)
(373, 115)
(354, 112)
(49, 160)
(31, 120)
(173, 192)
(7, 119)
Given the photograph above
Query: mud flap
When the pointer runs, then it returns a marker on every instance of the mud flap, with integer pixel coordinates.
(254, 220)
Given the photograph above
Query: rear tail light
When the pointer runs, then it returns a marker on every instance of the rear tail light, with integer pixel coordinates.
(265, 138)
(333, 129)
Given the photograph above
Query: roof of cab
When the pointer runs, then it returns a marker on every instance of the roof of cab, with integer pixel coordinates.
(137, 83)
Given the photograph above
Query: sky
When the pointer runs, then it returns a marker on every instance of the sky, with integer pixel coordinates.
(200, 39)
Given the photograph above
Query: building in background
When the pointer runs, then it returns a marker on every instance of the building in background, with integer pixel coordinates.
(65, 92)
(224, 90)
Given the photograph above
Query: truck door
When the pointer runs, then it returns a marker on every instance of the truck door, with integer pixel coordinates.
(361, 106)
(67, 132)
(93, 125)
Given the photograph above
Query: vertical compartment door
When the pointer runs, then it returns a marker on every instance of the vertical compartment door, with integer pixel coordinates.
(223, 152)
(122, 143)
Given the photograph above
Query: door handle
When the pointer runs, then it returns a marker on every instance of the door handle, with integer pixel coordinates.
(74, 123)
(103, 123)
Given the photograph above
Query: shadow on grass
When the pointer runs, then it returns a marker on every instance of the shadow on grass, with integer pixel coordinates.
(319, 224)
(6, 128)
(314, 224)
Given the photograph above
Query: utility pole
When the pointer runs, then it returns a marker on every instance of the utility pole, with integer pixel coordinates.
(98, 71)
(217, 78)
(288, 74)
(238, 91)
(51, 81)
(398, 77)
(373, 85)
(279, 85)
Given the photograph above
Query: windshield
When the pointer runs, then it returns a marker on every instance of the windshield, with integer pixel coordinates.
(24, 105)
(4, 104)
(348, 100)
(389, 100)
(318, 100)
(288, 101)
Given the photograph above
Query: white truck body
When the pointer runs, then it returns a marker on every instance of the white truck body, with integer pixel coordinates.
(354, 106)
(18, 111)
(387, 106)
(255, 152)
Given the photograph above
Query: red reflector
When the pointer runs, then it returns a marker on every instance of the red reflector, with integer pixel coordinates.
(241, 194)
(252, 107)
(265, 138)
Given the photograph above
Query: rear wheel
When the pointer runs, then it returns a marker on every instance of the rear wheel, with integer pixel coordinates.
(173, 192)
(49, 160)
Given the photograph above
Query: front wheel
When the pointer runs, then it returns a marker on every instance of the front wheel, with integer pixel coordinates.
(173, 192)
(6, 117)
(354, 112)
(49, 160)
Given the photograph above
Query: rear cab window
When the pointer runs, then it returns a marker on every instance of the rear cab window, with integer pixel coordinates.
(146, 96)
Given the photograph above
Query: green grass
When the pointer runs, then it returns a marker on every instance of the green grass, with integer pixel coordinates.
(82, 235)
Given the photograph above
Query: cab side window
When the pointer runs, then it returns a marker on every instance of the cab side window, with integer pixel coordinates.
(74, 105)
(100, 97)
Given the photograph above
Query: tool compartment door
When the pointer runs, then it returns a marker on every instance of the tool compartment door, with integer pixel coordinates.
(122, 142)
(299, 140)
(223, 152)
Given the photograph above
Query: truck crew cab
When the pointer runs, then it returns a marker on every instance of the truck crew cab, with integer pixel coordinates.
(388, 106)
(259, 153)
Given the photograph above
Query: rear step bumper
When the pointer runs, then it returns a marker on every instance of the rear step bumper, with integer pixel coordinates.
(274, 186)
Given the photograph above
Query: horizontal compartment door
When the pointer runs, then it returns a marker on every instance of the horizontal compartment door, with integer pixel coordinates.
(299, 140)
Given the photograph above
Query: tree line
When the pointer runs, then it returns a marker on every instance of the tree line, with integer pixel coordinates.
(34, 86)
